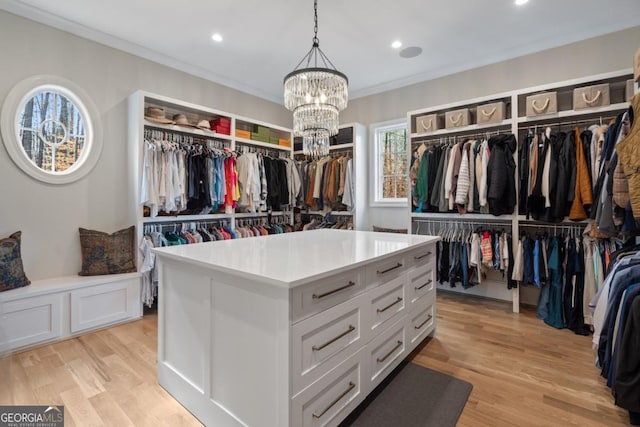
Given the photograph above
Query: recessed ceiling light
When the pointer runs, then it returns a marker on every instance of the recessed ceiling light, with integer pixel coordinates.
(521, 2)
(396, 44)
(217, 37)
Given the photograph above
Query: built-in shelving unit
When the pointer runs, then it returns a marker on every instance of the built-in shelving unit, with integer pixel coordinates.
(514, 119)
(350, 139)
(265, 137)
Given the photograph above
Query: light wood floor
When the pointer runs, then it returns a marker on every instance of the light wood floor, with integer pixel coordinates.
(524, 373)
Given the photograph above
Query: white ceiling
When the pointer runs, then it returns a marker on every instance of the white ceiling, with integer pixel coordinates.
(264, 40)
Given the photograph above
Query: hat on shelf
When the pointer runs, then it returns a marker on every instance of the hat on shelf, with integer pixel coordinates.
(181, 120)
(155, 114)
(204, 124)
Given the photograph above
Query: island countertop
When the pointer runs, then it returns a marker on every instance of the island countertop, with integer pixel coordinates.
(292, 259)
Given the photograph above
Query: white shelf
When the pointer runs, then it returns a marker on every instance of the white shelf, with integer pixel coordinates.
(184, 218)
(453, 215)
(575, 113)
(341, 213)
(463, 129)
(262, 144)
(260, 214)
(187, 130)
(331, 148)
(340, 146)
(514, 124)
(565, 222)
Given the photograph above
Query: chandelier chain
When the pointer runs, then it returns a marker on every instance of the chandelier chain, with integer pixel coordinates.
(316, 42)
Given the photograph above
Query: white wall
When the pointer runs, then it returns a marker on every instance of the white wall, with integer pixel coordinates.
(49, 216)
(599, 55)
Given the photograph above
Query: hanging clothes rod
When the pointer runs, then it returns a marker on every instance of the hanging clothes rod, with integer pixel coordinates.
(462, 222)
(243, 147)
(453, 139)
(592, 121)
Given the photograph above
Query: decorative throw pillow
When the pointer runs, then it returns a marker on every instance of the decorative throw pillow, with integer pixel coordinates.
(390, 230)
(104, 253)
(11, 270)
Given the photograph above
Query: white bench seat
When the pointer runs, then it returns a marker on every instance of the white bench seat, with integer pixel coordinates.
(53, 309)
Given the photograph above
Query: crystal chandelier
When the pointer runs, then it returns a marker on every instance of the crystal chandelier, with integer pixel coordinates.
(316, 94)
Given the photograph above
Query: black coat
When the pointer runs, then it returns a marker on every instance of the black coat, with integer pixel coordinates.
(627, 374)
(501, 169)
(565, 181)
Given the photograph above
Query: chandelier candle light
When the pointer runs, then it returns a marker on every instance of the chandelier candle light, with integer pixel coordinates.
(316, 94)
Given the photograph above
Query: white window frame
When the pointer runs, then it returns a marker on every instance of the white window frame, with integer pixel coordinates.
(11, 110)
(376, 177)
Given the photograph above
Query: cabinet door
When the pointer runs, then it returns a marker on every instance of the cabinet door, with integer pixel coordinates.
(30, 321)
(100, 305)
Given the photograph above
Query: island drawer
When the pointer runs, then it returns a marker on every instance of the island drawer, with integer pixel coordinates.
(386, 269)
(323, 341)
(422, 256)
(421, 282)
(315, 297)
(384, 304)
(385, 352)
(330, 399)
(421, 321)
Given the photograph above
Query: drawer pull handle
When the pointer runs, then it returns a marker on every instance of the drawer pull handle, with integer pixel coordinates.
(417, 258)
(336, 400)
(398, 265)
(386, 356)
(417, 288)
(382, 310)
(331, 341)
(326, 294)
(424, 323)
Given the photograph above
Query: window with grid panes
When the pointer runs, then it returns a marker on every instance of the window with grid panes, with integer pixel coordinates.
(392, 163)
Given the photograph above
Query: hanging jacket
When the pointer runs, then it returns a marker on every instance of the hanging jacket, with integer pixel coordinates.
(629, 152)
(583, 196)
(566, 177)
(501, 168)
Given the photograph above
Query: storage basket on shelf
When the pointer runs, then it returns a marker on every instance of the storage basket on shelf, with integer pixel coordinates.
(591, 96)
(428, 123)
(629, 90)
(457, 118)
(490, 113)
(542, 103)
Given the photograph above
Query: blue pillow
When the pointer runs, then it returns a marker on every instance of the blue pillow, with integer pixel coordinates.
(11, 270)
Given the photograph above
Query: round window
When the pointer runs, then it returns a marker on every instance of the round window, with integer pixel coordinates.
(49, 130)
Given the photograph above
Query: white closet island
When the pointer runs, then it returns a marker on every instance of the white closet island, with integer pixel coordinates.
(290, 329)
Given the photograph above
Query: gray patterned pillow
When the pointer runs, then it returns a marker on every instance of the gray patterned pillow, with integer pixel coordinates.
(11, 270)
